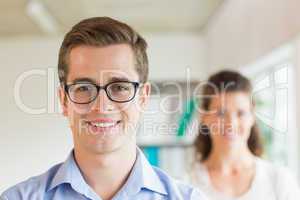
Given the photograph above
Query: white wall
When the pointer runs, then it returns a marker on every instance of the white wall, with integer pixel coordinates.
(297, 94)
(242, 31)
(171, 55)
(30, 144)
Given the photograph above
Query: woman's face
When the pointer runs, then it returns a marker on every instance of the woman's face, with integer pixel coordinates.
(230, 118)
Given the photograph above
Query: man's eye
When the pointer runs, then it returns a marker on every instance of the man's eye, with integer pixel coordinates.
(117, 88)
(82, 89)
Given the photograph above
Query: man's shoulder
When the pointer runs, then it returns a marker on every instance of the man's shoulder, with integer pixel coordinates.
(178, 189)
(33, 186)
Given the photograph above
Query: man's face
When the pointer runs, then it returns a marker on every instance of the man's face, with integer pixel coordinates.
(103, 125)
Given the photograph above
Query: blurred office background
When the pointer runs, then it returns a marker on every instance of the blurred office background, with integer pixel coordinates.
(187, 40)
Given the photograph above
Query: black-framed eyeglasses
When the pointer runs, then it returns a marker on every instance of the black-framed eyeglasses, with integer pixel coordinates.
(117, 91)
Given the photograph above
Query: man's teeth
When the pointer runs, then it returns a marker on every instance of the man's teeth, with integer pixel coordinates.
(103, 124)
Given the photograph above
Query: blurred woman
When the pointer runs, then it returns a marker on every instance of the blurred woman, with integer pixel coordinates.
(228, 164)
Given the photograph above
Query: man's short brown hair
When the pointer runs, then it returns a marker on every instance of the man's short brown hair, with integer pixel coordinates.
(100, 32)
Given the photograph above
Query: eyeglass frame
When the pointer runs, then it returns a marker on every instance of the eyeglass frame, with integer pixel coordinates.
(99, 87)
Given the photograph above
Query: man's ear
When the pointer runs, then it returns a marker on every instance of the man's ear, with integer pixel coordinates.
(63, 100)
(145, 95)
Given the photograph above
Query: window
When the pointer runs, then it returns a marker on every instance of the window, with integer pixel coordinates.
(274, 93)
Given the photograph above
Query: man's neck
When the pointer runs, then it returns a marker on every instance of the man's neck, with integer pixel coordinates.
(106, 173)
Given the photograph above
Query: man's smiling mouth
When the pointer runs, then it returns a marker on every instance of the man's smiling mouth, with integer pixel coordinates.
(102, 126)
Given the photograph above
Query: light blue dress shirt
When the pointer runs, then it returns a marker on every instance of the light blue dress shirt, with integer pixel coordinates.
(65, 182)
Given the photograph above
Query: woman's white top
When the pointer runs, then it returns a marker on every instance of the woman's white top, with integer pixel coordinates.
(270, 183)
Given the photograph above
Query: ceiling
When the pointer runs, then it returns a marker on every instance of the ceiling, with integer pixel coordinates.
(48, 17)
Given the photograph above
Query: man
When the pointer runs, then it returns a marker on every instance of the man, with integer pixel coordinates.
(103, 70)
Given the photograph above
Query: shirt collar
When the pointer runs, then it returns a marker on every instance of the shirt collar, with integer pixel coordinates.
(142, 176)
(69, 173)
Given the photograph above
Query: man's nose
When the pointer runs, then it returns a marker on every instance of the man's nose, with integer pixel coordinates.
(102, 103)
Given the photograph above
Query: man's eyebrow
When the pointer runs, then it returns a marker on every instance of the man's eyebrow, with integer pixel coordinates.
(78, 80)
(113, 79)
(89, 80)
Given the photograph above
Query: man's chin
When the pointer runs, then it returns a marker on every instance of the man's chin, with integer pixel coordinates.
(107, 147)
